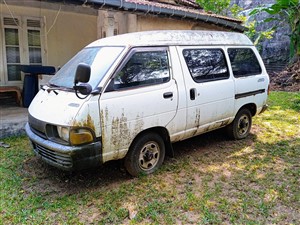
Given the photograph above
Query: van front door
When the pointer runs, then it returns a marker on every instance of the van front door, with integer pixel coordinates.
(210, 90)
(141, 95)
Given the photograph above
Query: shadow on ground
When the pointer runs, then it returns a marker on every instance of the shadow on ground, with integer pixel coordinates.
(47, 180)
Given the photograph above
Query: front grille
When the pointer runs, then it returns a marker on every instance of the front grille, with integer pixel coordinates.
(38, 133)
(54, 157)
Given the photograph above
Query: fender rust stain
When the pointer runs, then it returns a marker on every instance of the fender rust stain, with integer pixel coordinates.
(89, 122)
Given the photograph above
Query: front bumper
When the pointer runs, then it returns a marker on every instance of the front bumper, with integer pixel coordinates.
(66, 157)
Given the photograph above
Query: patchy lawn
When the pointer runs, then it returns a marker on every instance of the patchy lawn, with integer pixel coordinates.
(211, 180)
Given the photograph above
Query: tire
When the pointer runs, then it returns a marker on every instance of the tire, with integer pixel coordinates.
(241, 125)
(145, 155)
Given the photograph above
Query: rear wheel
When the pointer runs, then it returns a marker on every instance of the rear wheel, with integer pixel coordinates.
(241, 125)
(145, 155)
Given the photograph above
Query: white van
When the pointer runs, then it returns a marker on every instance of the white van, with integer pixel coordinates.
(130, 96)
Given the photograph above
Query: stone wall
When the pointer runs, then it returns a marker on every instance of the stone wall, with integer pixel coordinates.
(275, 50)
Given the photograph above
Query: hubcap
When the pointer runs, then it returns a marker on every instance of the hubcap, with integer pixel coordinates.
(149, 156)
(243, 125)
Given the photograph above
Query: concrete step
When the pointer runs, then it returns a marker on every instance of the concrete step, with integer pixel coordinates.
(12, 120)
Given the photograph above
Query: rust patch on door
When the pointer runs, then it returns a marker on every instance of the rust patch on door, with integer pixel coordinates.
(197, 117)
(119, 132)
(103, 118)
(138, 126)
(197, 121)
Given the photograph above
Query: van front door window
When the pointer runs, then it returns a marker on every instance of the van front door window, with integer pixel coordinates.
(144, 68)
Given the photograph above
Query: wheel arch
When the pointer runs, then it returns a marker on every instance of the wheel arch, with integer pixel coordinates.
(163, 132)
(251, 107)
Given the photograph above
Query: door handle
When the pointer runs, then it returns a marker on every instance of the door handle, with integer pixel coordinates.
(168, 95)
(193, 93)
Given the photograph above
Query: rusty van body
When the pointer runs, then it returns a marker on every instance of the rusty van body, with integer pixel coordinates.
(131, 96)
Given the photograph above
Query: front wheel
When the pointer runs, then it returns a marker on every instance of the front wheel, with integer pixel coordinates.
(241, 125)
(145, 155)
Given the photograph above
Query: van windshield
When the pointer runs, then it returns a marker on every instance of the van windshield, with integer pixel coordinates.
(100, 59)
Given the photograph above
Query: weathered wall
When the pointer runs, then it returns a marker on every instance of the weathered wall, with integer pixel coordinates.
(70, 34)
(147, 22)
(65, 32)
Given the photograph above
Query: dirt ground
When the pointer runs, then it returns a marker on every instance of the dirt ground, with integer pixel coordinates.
(61, 183)
(55, 183)
(287, 80)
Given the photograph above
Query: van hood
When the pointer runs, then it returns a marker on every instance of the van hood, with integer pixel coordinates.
(59, 107)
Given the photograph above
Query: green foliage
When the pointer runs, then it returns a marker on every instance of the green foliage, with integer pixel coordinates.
(235, 11)
(256, 36)
(287, 9)
(217, 6)
(221, 7)
(290, 11)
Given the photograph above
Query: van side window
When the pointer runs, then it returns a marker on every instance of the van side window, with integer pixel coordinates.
(144, 68)
(243, 62)
(206, 64)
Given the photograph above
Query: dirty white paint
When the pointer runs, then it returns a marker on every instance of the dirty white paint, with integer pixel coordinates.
(126, 113)
(118, 116)
(55, 108)
(65, 109)
(175, 37)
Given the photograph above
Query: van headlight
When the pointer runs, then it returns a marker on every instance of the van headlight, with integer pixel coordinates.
(63, 133)
(75, 135)
(79, 136)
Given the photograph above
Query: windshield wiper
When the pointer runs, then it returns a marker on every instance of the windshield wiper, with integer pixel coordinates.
(55, 88)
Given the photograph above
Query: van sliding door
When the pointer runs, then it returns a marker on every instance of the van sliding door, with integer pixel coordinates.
(210, 90)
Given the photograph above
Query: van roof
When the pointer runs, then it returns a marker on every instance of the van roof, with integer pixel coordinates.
(174, 37)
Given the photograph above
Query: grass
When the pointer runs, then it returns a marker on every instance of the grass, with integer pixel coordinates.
(211, 180)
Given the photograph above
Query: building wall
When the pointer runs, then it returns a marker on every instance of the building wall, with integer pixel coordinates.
(112, 23)
(63, 35)
(145, 23)
(68, 28)
(69, 31)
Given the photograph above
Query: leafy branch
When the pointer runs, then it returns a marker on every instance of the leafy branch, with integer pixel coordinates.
(217, 6)
(290, 11)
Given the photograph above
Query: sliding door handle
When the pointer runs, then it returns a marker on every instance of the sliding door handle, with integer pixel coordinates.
(193, 93)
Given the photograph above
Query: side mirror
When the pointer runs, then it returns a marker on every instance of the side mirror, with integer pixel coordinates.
(83, 73)
(84, 89)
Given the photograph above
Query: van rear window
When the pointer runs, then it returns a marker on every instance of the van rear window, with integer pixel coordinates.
(243, 62)
(206, 64)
